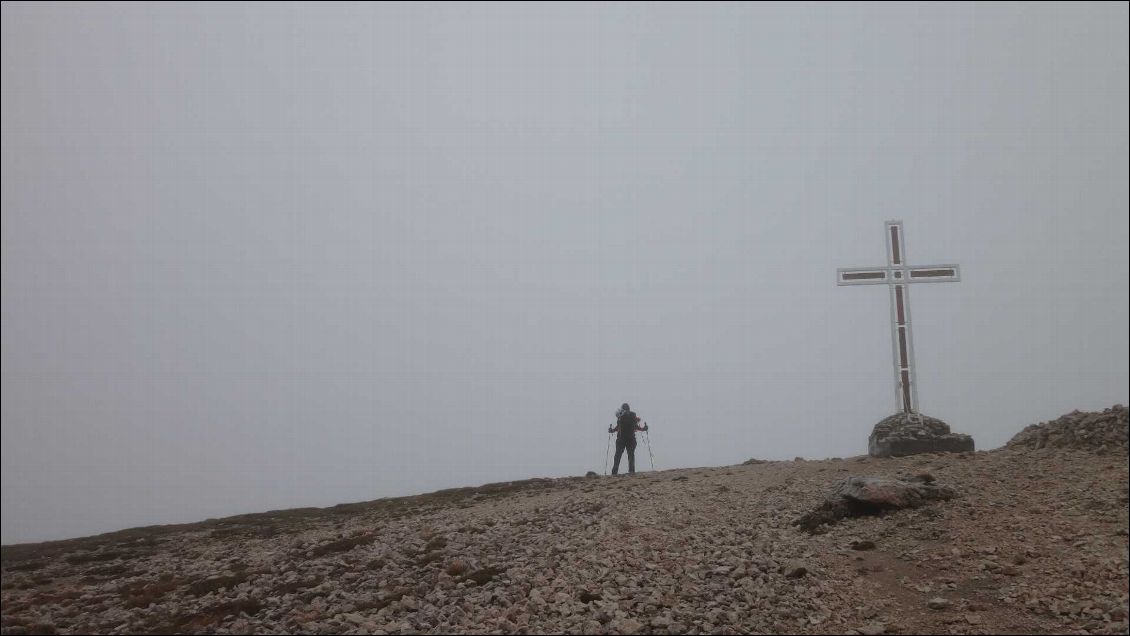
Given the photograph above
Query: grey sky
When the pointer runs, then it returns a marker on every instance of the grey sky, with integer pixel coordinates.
(267, 256)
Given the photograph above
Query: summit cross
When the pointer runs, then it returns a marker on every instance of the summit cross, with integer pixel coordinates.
(898, 276)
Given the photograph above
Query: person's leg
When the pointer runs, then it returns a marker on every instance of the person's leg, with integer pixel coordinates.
(619, 452)
(632, 456)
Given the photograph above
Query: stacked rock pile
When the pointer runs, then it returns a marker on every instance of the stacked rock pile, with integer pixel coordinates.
(1096, 430)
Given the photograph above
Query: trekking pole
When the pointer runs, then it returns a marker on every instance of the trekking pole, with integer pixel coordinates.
(647, 436)
(607, 447)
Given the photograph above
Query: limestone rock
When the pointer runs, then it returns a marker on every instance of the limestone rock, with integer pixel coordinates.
(938, 603)
(795, 569)
(856, 496)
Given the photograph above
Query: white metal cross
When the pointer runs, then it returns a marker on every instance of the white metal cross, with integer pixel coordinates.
(897, 275)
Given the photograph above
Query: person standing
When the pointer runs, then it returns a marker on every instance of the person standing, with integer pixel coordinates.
(627, 423)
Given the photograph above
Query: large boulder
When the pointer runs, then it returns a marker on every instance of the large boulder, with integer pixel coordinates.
(856, 496)
(904, 434)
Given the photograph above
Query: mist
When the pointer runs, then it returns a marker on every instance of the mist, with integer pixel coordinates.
(267, 256)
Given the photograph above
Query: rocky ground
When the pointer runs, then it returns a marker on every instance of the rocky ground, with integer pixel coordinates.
(1100, 431)
(1035, 541)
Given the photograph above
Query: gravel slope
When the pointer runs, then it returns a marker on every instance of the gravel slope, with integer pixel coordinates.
(1035, 542)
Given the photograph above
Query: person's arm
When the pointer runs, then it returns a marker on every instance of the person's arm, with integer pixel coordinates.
(612, 429)
(638, 428)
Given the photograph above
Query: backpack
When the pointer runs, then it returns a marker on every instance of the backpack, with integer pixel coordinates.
(627, 423)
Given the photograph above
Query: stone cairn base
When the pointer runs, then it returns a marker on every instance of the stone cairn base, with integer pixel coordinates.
(902, 434)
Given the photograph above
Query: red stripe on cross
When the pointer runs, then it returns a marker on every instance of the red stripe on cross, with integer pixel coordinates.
(896, 254)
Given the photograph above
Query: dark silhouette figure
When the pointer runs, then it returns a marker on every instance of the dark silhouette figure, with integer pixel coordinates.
(627, 423)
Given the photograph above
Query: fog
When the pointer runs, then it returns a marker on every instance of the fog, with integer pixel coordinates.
(270, 256)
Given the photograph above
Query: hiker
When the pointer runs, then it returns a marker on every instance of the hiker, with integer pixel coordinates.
(627, 423)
